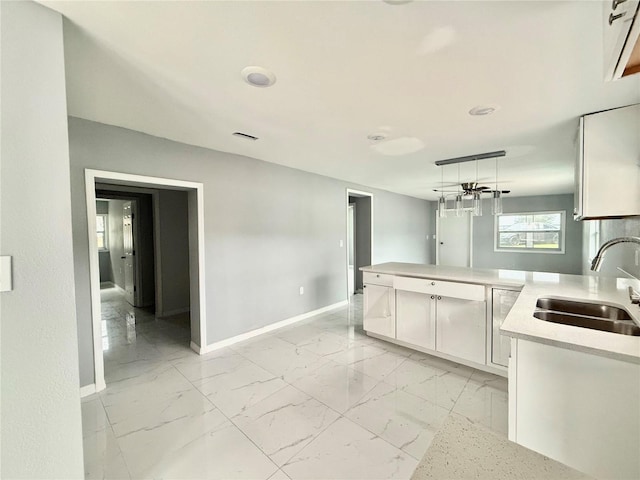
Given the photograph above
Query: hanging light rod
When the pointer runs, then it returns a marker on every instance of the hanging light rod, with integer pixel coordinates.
(471, 158)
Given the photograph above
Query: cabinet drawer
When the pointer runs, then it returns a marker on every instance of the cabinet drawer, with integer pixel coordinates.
(465, 291)
(377, 279)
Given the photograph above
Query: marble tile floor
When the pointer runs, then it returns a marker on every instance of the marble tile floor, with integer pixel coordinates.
(318, 399)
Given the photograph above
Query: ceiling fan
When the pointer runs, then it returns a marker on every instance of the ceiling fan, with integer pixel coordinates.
(469, 188)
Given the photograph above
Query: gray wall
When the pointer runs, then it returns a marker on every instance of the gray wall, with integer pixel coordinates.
(483, 243)
(623, 255)
(268, 229)
(174, 245)
(41, 428)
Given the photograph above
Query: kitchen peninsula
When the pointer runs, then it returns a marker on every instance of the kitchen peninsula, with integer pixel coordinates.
(574, 392)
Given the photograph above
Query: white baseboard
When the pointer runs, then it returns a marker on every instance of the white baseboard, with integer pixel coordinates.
(87, 390)
(265, 329)
(107, 284)
(177, 311)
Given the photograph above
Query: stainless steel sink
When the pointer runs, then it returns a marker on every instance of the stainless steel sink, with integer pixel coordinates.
(625, 327)
(606, 318)
(581, 308)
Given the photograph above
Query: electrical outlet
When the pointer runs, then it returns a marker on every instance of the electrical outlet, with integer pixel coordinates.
(301, 290)
(6, 282)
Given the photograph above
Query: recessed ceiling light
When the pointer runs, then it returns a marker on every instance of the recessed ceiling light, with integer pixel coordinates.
(483, 110)
(376, 137)
(258, 76)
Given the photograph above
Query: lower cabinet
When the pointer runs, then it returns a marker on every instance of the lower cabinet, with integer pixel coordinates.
(461, 328)
(417, 312)
(379, 310)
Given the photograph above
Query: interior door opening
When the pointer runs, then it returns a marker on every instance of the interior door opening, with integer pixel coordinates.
(359, 209)
(146, 267)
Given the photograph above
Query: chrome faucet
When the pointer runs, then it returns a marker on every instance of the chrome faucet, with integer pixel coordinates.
(595, 263)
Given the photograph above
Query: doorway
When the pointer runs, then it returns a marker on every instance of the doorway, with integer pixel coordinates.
(453, 240)
(359, 210)
(157, 300)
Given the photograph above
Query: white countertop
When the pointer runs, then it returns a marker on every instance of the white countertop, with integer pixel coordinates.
(520, 322)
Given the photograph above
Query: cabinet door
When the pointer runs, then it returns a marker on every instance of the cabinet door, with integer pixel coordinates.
(502, 302)
(461, 328)
(610, 170)
(379, 310)
(415, 318)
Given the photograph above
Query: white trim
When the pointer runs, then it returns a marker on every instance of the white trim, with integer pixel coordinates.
(265, 329)
(176, 311)
(87, 390)
(100, 176)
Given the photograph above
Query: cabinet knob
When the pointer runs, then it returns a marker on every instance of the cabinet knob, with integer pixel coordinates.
(433, 283)
(432, 297)
(613, 18)
(439, 297)
(364, 286)
(378, 276)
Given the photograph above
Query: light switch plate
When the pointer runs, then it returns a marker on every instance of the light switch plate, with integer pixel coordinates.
(6, 283)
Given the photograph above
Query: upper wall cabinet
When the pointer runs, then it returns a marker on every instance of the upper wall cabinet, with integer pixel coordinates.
(621, 38)
(608, 167)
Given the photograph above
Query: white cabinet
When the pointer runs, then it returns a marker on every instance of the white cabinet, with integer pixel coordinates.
(461, 328)
(416, 318)
(379, 310)
(621, 27)
(578, 408)
(502, 301)
(446, 317)
(608, 169)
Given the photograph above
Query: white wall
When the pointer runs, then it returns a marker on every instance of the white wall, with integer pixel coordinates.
(41, 426)
(268, 229)
(623, 255)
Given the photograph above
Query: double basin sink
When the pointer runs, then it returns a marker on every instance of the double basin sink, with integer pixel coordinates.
(606, 318)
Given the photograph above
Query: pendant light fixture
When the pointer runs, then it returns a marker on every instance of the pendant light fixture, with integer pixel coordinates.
(477, 199)
(496, 202)
(458, 204)
(442, 202)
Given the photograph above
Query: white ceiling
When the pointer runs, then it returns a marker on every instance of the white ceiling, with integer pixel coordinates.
(348, 69)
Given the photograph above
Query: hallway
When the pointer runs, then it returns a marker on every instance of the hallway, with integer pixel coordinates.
(318, 399)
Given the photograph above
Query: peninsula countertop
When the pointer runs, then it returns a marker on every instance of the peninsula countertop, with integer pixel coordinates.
(520, 322)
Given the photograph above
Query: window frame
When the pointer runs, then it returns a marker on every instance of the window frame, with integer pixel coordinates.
(562, 232)
(105, 221)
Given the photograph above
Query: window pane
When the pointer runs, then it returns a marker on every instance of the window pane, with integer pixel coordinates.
(100, 240)
(100, 223)
(530, 231)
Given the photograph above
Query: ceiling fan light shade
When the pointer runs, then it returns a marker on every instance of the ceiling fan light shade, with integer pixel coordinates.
(496, 203)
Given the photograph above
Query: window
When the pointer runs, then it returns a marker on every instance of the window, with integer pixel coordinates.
(102, 231)
(535, 232)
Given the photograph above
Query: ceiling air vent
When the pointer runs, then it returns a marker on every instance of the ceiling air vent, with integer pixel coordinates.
(245, 135)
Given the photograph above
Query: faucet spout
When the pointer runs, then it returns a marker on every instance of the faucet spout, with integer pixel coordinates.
(597, 260)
